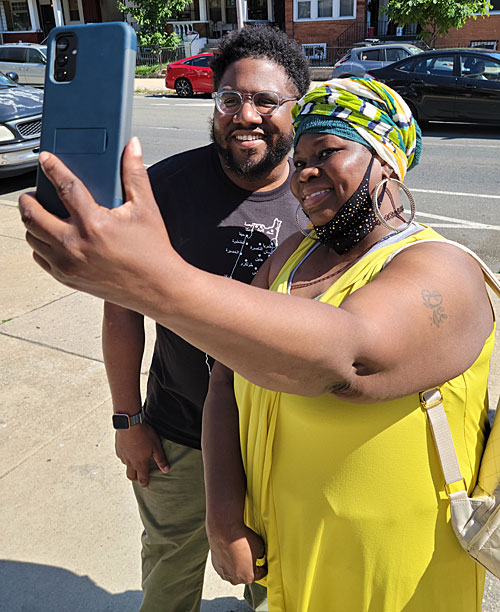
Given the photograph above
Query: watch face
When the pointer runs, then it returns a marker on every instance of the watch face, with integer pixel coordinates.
(120, 421)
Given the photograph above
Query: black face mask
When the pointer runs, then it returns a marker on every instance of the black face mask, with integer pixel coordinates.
(354, 220)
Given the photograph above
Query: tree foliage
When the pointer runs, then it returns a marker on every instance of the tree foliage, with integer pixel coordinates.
(152, 17)
(435, 16)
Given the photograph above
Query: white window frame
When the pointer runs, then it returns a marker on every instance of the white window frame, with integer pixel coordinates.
(66, 13)
(313, 46)
(270, 13)
(480, 44)
(314, 11)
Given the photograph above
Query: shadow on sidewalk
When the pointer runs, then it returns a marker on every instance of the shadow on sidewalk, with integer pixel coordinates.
(44, 588)
(32, 587)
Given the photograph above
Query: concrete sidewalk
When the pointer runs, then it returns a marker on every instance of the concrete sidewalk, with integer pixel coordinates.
(70, 527)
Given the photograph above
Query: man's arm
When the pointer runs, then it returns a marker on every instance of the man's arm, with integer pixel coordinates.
(234, 547)
(123, 348)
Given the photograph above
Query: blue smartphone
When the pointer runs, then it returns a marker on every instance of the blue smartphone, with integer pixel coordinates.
(87, 108)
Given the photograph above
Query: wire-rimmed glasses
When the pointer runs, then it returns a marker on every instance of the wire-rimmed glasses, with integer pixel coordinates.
(264, 102)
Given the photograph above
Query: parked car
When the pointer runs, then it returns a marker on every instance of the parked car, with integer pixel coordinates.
(360, 60)
(190, 75)
(27, 60)
(448, 84)
(20, 126)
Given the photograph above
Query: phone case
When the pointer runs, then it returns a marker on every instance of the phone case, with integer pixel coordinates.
(86, 119)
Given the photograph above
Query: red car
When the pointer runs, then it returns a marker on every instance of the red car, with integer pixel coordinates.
(190, 75)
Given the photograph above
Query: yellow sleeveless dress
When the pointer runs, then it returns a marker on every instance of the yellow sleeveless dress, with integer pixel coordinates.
(349, 498)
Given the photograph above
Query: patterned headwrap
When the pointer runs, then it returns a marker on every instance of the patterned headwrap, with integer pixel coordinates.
(365, 111)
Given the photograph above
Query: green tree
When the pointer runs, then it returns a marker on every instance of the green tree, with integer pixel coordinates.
(152, 17)
(435, 16)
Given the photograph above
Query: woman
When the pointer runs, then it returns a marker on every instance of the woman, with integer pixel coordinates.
(344, 491)
(344, 488)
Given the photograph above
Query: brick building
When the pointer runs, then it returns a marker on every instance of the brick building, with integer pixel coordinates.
(31, 20)
(480, 32)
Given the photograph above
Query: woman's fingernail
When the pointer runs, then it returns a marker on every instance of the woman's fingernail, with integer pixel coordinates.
(136, 146)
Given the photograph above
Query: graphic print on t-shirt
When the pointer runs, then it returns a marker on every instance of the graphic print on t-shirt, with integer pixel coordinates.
(252, 254)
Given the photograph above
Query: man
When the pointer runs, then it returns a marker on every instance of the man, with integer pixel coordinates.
(226, 206)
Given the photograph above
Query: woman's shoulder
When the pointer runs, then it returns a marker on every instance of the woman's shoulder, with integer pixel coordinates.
(438, 261)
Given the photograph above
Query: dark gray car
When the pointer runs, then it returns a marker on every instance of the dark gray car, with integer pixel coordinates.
(361, 60)
(20, 126)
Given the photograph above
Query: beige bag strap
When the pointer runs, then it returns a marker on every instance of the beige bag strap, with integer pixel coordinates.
(432, 400)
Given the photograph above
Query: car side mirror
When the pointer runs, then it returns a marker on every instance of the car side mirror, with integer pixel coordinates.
(13, 76)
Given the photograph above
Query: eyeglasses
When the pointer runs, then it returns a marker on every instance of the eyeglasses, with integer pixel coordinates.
(264, 102)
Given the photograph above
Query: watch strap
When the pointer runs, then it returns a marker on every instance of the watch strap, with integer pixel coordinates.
(136, 419)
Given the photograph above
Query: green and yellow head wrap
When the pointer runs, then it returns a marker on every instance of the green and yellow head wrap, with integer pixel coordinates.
(365, 111)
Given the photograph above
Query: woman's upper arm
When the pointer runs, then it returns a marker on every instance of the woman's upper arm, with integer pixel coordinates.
(421, 322)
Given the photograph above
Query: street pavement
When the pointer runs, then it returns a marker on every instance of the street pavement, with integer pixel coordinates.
(71, 531)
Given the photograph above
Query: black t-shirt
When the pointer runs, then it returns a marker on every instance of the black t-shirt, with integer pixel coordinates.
(220, 228)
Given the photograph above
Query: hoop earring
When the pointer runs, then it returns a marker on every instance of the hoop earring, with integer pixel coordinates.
(378, 213)
(301, 229)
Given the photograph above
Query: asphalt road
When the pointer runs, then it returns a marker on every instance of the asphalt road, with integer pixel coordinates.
(456, 185)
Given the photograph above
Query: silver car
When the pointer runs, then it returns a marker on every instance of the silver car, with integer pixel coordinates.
(361, 60)
(20, 126)
(27, 60)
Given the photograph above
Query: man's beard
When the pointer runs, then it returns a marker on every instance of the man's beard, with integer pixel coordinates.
(250, 167)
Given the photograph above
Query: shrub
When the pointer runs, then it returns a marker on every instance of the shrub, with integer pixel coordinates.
(146, 70)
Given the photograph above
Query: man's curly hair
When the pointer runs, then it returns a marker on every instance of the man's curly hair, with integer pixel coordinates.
(262, 41)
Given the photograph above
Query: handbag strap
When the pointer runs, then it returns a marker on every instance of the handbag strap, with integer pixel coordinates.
(432, 400)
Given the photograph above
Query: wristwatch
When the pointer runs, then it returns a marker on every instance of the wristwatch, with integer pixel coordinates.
(126, 421)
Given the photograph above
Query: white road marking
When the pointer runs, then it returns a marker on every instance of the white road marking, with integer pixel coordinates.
(456, 223)
(456, 144)
(457, 193)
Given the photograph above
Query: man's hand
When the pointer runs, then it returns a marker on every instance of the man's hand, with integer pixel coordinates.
(238, 555)
(108, 253)
(135, 447)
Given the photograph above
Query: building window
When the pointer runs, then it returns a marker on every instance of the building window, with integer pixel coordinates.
(191, 12)
(304, 9)
(15, 16)
(346, 8)
(257, 10)
(495, 6)
(74, 13)
(324, 9)
(485, 44)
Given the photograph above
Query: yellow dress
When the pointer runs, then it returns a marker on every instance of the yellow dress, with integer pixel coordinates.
(349, 498)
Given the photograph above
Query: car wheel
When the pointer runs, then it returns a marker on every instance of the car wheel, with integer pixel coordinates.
(413, 110)
(421, 122)
(183, 88)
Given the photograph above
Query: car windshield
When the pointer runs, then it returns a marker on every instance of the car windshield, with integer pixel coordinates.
(43, 51)
(5, 81)
(414, 50)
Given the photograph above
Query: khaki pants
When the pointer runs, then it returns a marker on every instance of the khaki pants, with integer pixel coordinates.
(174, 542)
